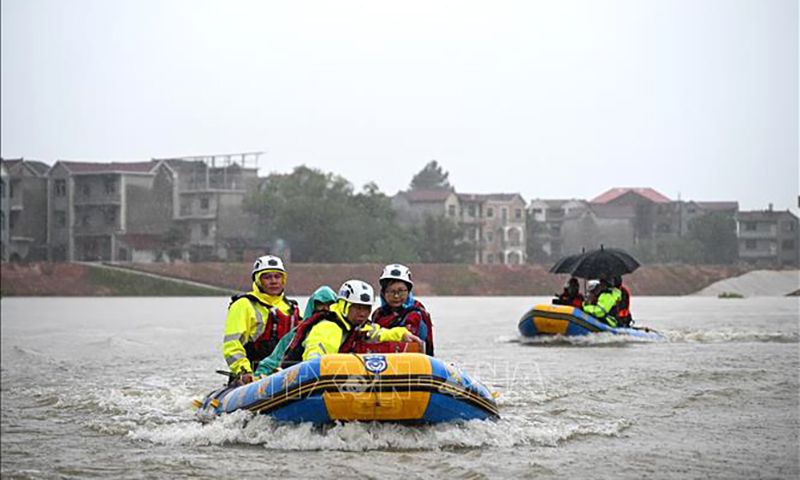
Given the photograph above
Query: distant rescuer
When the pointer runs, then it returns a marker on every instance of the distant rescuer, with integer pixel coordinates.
(258, 319)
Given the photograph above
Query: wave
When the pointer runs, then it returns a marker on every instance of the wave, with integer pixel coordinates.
(245, 428)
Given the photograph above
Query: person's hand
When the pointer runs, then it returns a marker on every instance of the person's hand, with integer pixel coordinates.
(244, 378)
(411, 338)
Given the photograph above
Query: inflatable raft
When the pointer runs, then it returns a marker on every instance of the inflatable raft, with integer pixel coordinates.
(396, 387)
(543, 320)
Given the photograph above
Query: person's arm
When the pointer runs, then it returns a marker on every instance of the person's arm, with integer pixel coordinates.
(236, 335)
(323, 339)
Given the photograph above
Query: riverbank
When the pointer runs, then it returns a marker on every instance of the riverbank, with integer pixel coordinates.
(72, 279)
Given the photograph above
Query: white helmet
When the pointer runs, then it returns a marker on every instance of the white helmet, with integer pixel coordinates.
(592, 284)
(267, 262)
(396, 271)
(356, 291)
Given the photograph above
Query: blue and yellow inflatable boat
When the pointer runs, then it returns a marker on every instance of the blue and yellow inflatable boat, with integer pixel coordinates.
(544, 320)
(395, 387)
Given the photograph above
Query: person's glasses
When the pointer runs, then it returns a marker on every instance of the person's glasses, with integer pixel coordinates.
(397, 293)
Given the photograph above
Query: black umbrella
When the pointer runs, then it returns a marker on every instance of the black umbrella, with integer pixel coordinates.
(565, 264)
(603, 263)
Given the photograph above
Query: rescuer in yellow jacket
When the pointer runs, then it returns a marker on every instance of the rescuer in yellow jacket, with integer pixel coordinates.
(602, 300)
(258, 319)
(342, 328)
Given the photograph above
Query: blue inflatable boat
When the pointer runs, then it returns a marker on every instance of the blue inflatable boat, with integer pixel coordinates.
(395, 387)
(548, 320)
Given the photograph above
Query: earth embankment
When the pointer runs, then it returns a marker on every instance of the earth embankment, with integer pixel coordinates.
(69, 279)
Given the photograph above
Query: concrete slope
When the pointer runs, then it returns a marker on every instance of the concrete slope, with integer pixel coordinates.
(758, 283)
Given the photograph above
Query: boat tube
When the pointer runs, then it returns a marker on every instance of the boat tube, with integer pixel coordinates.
(394, 387)
(548, 320)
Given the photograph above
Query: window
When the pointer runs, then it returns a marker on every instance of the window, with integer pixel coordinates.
(204, 229)
(111, 216)
(60, 218)
(490, 212)
(85, 220)
(2, 188)
(204, 204)
(787, 245)
(750, 244)
(2, 221)
(517, 213)
(110, 186)
(788, 227)
(490, 258)
(504, 213)
(12, 220)
(489, 236)
(750, 226)
(451, 210)
(86, 190)
(60, 188)
(537, 210)
(471, 210)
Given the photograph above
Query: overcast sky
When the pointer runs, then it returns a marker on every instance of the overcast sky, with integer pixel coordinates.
(550, 99)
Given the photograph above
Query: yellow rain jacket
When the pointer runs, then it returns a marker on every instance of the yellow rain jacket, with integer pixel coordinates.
(246, 321)
(605, 303)
(326, 337)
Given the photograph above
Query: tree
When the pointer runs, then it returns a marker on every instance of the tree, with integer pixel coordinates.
(439, 240)
(323, 220)
(431, 177)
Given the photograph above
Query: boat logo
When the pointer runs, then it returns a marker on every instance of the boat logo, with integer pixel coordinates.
(290, 377)
(375, 364)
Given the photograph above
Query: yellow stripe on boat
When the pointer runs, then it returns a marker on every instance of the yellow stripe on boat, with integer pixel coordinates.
(550, 325)
(359, 405)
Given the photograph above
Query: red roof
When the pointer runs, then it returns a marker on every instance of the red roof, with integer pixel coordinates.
(647, 193)
(108, 167)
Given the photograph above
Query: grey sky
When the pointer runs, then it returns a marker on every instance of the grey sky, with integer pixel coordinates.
(551, 99)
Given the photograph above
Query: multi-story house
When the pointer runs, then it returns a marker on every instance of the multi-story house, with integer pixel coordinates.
(769, 238)
(205, 195)
(648, 205)
(101, 211)
(493, 223)
(412, 206)
(498, 221)
(547, 221)
(25, 210)
(598, 225)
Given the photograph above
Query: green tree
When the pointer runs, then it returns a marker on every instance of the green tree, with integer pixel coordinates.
(323, 220)
(440, 240)
(431, 177)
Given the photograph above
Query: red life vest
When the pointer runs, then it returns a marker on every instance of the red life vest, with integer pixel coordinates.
(624, 308)
(294, 352)
(276, 326)
(411, 318)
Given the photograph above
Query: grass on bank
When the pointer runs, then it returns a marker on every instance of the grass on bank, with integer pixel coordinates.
(115, 282)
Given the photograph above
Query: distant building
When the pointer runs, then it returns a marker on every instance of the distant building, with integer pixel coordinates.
(598, 225)
(412, 206)
(205, 196)
(648, 205)
(548, 217)
(496, 225)
(493, 223)
(102, 211)
(24, 210)
(769, 238)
